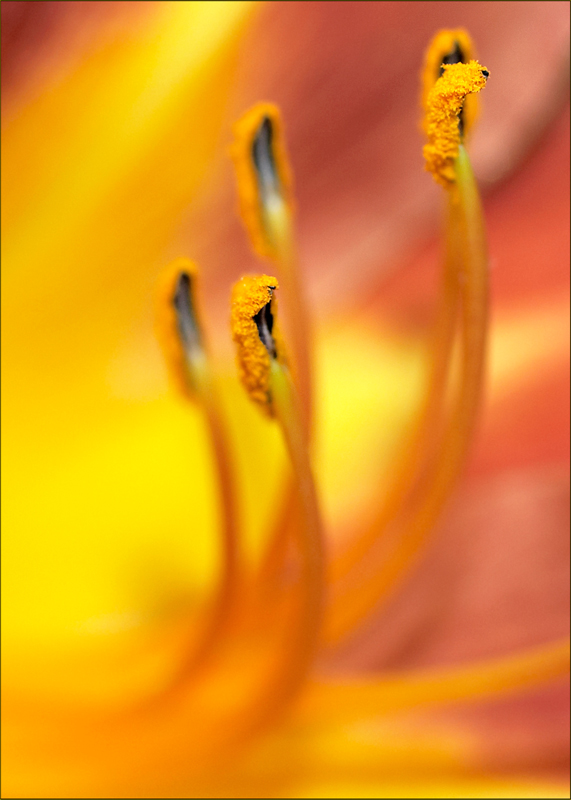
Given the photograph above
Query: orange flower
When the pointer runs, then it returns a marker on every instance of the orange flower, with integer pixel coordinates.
(117, 121)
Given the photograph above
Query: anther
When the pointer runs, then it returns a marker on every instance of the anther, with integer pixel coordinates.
(185, 315)
(264, 162)
(180, 335)
(264, 320)
(443, 107)
(264, 177)
(455, 56)
(178, 327)
(449, 47)
(254, 332)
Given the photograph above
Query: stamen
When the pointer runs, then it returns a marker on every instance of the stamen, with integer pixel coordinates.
(181, 336)
(413, 505)
(265, 374)
(266, 203)
(449, 47)
(443, 106)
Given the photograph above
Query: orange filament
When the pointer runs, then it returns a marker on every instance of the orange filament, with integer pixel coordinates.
(250, 295)
(423, 439)
(191, 375)
(296, 322)
(443, 106)
(375, 560)
(279, 541)
(446, 47)
(391, 693)
(401, 538)
(420, 449)
(455, 44)
(302, 638)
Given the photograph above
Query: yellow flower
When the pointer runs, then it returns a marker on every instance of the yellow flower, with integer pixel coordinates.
(113, 484)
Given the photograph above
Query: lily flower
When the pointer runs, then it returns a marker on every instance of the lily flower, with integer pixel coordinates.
(327, 562)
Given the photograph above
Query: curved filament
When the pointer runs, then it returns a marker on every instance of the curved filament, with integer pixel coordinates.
(442, 467)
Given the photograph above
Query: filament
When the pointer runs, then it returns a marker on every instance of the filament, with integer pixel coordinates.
(423, 439)
(224, 605)
(400, 542)
(180, 334)
(261, 355)
(301, 646)
(388, 694)
(299, 337)
(297, 318)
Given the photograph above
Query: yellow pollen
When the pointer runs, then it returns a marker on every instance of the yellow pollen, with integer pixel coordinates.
(252, 207)
(445, 44)
(249, 296)
(444, 104)
(167, 325)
